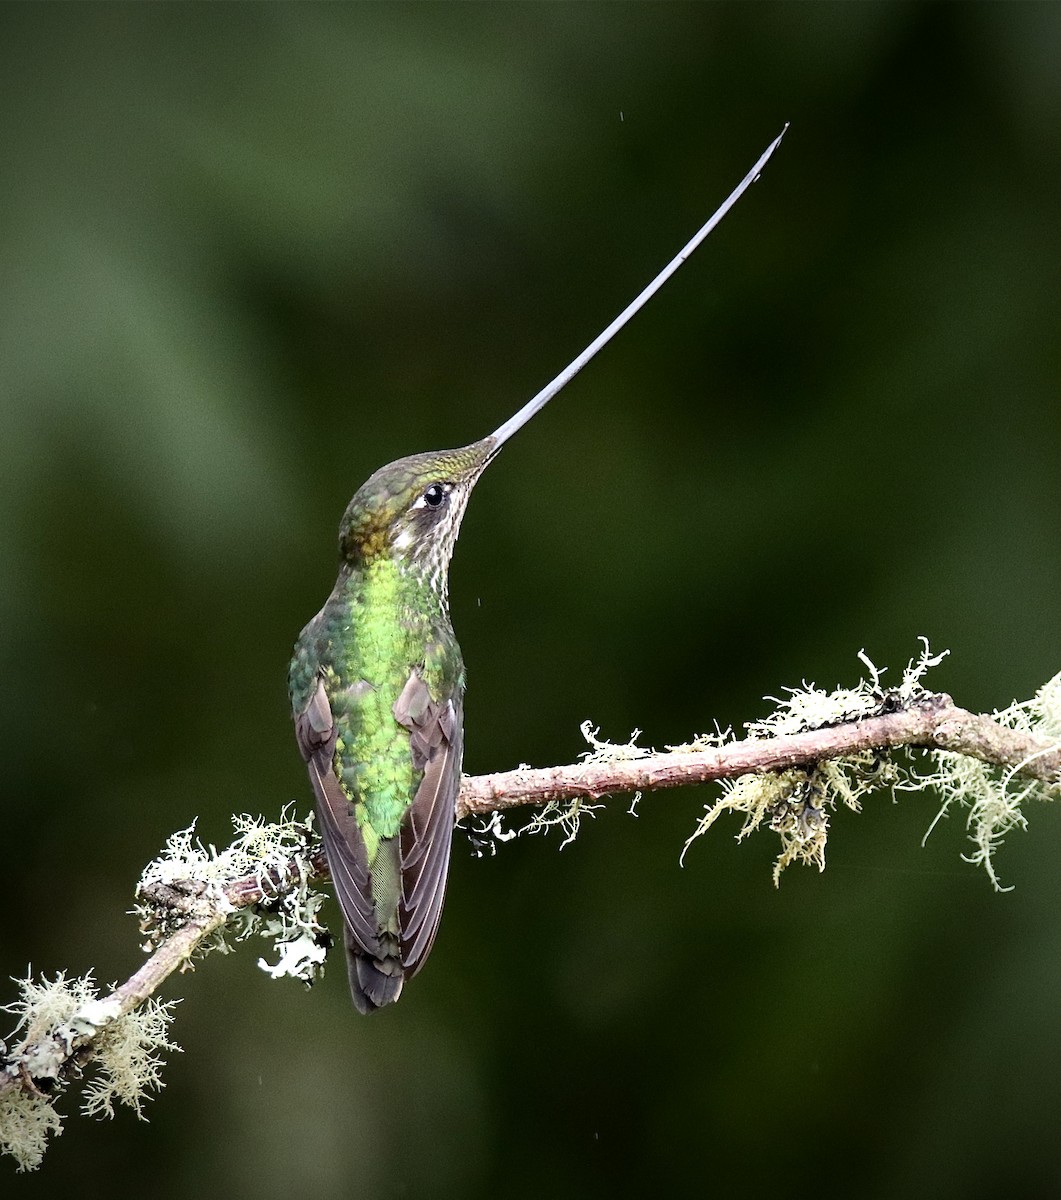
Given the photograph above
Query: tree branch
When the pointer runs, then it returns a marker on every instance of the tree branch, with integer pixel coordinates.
(933, 722)
(195, 911)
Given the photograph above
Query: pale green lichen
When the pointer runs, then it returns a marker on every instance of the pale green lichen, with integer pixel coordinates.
(267, 851)
(28, 1118)
(796, 804)
(55, 1016)
(811, 707)
(601, 751)
(563, 815)
(47, 1004)
(59, 1017)
(993, 796)
(486, 836)
(704, 741)
(26, 1124)
(127, 1055)
(567, 815)
(50, 1015)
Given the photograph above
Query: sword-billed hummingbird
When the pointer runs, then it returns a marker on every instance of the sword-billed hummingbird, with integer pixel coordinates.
(377, 690)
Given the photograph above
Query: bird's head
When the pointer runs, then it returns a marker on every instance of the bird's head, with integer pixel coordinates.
(411, 510)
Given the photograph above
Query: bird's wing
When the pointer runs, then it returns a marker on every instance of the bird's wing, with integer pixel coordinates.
(343, 842)
(435, 742)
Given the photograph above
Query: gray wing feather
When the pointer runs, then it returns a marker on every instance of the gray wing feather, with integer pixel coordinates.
(343, 843)
(435, 739)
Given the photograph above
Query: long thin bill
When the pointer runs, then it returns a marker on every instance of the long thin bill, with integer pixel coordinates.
(520, 419)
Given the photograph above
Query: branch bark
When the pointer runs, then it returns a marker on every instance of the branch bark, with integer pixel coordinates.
(932, 721)
(935, 722)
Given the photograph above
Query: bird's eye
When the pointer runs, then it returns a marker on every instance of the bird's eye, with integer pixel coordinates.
(434, 495)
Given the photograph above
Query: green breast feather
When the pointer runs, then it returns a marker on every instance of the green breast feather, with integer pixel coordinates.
(365, 642)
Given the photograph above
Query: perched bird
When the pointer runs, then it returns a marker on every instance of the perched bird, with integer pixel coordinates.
(377, 691)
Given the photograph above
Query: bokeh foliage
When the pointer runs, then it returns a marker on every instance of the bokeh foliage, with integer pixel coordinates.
(250, 253)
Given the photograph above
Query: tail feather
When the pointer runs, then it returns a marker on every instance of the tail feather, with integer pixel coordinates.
(374, 982)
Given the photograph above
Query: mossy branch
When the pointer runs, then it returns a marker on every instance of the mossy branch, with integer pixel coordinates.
(933, 722)
(816, 751)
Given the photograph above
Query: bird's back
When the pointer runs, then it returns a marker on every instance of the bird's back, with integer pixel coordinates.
(376, 690)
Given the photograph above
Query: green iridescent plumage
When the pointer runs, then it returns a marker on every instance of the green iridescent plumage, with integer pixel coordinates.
(377, 684)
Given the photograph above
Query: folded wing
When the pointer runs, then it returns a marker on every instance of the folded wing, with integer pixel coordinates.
(435, 742)
(343, 843)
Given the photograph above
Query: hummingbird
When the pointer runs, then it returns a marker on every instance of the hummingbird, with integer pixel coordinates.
(377, 689)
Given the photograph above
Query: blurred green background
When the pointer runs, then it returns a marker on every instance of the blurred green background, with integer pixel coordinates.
(250, 253)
